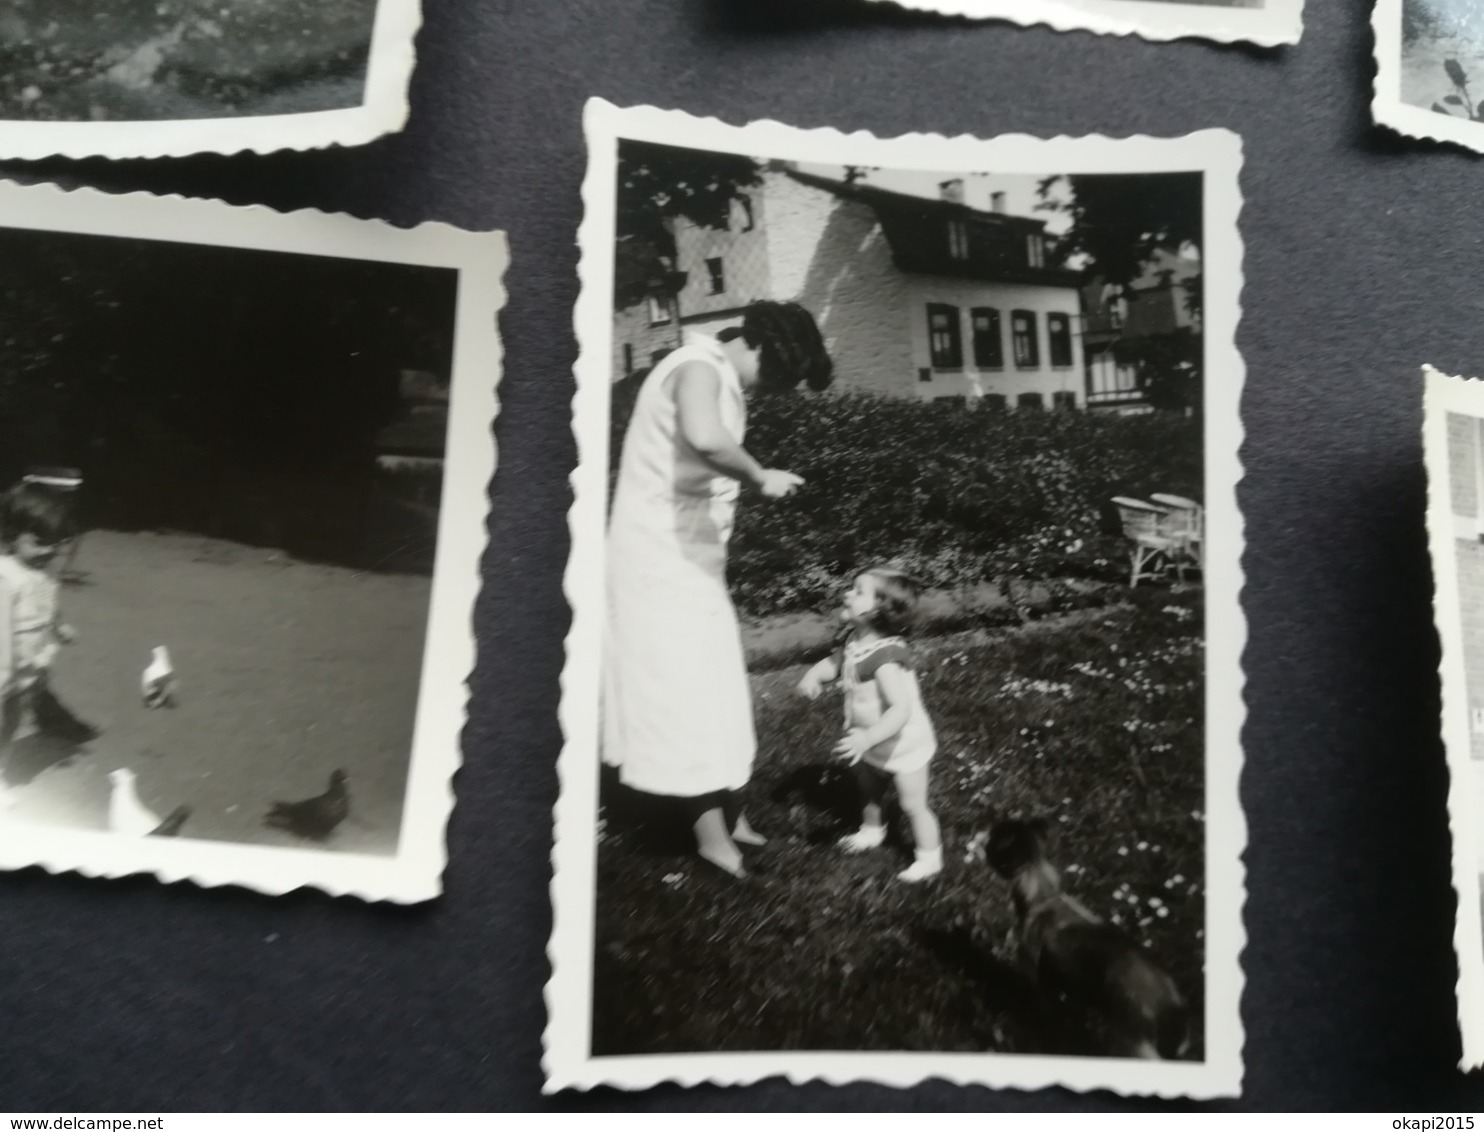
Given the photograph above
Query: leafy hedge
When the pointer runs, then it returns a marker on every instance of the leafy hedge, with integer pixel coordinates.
(955, 495)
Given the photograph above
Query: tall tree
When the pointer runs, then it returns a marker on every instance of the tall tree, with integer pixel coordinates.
(1119, 223)
(1120, 220)
(658, 184)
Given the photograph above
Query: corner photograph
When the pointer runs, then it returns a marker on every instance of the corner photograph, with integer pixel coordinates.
(225, 588)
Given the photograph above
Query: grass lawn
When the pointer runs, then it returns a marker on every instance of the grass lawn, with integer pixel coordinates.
(1095, 717)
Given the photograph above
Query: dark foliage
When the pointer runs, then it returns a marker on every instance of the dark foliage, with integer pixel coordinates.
(1168, 367)
(658, 184)
(231, 393)
(1120, 220)
(954, 496)
(1119, 223)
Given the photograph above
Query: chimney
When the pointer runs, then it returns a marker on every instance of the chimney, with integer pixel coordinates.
(997, 202)
(952, 190)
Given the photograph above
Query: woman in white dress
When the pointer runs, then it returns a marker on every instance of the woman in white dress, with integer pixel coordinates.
(677, 709)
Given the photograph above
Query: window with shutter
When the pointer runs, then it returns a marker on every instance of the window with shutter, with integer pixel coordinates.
(945, 345)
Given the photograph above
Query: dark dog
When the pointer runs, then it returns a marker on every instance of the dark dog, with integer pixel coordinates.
(1071, 951)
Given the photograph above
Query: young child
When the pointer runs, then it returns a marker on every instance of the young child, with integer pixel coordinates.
(887, 731)
(36, 522)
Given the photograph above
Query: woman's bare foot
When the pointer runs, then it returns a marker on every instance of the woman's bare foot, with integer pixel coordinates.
(732, 868)
(744, 834)
(716, 846)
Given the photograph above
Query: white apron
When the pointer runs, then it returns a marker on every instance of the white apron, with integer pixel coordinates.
(677, 710)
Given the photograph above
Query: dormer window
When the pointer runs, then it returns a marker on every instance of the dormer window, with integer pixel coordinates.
(1035, 250)
(716, 276)
(958, 239)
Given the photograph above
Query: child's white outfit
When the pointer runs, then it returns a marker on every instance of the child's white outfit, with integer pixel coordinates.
(909, 750)
(913, 747)
(29, 638)
(34, 623)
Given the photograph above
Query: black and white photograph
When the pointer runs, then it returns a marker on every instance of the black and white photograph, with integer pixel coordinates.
(1430, 69)
(902, 695)
(1268, 23)
(143, 78)
(243, 458)
(1453, 436)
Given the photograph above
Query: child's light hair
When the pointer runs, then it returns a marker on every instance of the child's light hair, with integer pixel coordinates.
(897, 593)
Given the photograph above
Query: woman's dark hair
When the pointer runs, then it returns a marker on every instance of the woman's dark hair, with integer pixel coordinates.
(789, 345)
(46, 513)
(896, 600)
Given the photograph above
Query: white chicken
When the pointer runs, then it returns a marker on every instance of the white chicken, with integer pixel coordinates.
(158, 684)
(126, 813)
(128, 816)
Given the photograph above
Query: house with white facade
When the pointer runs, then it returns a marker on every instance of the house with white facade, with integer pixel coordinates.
(922, 297)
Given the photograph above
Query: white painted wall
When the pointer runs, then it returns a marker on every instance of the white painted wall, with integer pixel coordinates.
(830, 255)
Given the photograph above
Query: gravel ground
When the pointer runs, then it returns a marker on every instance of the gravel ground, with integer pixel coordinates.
(288, 670)
(70, 60)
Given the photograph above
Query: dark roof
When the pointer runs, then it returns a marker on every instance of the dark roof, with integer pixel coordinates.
(916, 228)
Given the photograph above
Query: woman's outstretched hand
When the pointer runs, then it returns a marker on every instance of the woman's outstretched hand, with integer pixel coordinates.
(775, 483)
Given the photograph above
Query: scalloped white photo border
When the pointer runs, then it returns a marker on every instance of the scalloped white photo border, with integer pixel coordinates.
(568, 1061)
(1387, 107)
(383, 110)
(480, 258)
(1273, 23)
(1442, 395)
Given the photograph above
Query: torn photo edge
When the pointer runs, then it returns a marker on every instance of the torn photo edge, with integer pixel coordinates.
(1444, 395)
(480, 258)
(383, 110)
(1387, 107)
(1275, 23)
(568, 1062)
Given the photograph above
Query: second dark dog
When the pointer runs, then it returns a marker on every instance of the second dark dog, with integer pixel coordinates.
(1071, 951)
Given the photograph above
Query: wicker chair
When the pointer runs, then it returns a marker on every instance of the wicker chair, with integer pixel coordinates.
(1154, 551)
(1186, 522)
